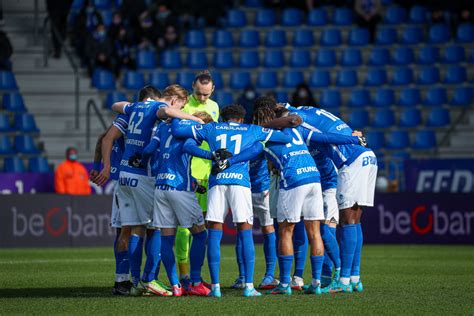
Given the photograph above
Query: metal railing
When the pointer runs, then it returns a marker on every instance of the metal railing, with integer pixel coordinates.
(92, 105)
(69, 55)
(452, 127)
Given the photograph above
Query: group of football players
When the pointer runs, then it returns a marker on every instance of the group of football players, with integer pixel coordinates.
(301, 171)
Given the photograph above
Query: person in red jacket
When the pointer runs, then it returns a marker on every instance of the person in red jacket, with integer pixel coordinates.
(71, 176)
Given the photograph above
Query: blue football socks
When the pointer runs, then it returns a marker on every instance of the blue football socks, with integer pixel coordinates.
(240, 257)
(355, 271)
(348, 246)
(168, 258)
(197, 254)
(214, 253)
(153, 256)
(135, 253)
(300, 246)
(248, 251)
(269, 249)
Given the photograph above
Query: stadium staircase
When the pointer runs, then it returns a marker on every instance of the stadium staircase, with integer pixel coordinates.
(49, 92)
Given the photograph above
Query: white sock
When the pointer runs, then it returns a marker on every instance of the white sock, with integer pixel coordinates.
(249, 285)
(297, 279)
(345, 281)
(284, 284)
(196, 283)
(121, 277)
(315, 282)
(216, 286)
(355, 278)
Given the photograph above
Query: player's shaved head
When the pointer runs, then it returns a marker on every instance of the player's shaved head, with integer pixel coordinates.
(149, 92)
(206, 117)
(234, 112)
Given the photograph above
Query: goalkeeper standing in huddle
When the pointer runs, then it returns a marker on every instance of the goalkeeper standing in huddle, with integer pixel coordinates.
(199, 101)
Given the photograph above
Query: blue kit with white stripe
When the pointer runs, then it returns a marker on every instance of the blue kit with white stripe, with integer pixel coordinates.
(259, 174)
(140, 130)
(118, 147)
(326, 122)
(326, 169)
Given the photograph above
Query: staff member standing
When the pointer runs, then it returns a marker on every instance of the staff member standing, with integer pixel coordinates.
(199, 101)
(71, 176)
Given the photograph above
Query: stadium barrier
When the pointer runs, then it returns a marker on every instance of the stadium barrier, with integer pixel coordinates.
(49, 220)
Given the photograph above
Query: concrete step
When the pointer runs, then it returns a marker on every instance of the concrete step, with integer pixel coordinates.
(23, 6)
(58, 104)
(52, 83)
(463, 139)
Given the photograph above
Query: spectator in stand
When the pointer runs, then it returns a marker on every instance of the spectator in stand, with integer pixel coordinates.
(148, 33)
(85, 23)
(131, 11)
(6, 50)
(71, 176)
(463, 14)
(303, 96)
(368, 15)
(170, 39)
(58, 11)
(99, 49)
(123, 51)
(116, 25)
(246, 99)
(437, 16)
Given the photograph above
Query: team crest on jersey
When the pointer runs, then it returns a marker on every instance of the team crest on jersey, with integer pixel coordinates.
(198, 127)
(266, 130)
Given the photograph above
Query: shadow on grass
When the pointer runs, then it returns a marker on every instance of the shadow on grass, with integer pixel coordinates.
(62, 292)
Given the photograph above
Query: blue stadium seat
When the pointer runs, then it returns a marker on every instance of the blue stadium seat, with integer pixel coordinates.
(236, 18)
(351, 57)
(325, 58)
(428, 55)
(453, 54)
(114, 96)
(395, 15)
(436, 96)
(409, 97)
(223, 98)
(375, 77)
(343, 16)
(383, 118)
(465, 33)
(26, 123)
(249, 38)
(317, 17)
(462, 96)
(102, 4)
(267, 79)
(133, 80)
(197, 59)
(13, 101)
(330, 98)
(359, 98)
(265, 17)
(222, 39)
(383, 97)
(195, 39)
(239, 80)
(159, 79)
(330, 37)
(410, 118)
(275, 38)
(359, 119)
(386, 36)
(5, 125)
(376, 140)
(438, 117)
(185, 79)
(418, 14)
(39, 164)
(274, 59)
(103, 79)
(14, 164)
(403, 56)
(6, 147)
(171, 59)
(7, 81)
(428, 76)
(398, 140)
(25, 144)
(346, 78)
(146, 59)
(291, 17)
(300, 58)
(412, 35)
(223, 59)
(439, 33)
(379, 56)
(424, 140)
(320, 79)
(455, 74)
(358, 37)
(249, 59)
(402, 76)
(107, 17)
(217, 78)
(292, 78)
(303, 38)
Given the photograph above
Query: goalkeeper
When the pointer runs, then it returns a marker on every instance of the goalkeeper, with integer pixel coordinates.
(199, 101)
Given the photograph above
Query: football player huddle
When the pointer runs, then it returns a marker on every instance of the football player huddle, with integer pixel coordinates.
(301, 171)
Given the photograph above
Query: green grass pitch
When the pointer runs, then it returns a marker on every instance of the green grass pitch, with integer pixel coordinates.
(397, 280)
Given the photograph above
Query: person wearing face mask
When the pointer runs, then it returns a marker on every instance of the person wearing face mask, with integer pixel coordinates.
(303, 96)
(58, 11)
(71, 177)
(247, 99)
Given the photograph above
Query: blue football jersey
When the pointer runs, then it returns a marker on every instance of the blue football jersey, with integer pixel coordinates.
(326, 122)
(118, 147)
(259, 174)
(140, 131)
(327, 170)
(236, 138)
(296, 165)
(174, 166)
